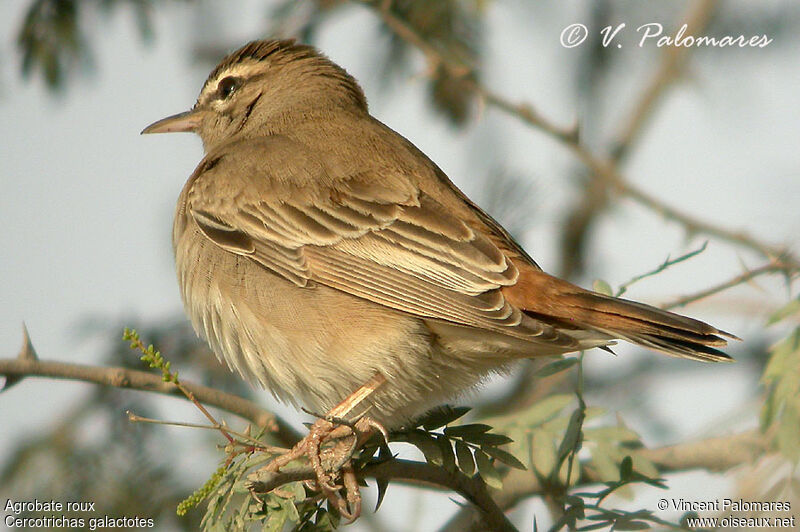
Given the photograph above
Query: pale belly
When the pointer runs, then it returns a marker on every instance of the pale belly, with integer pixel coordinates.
(314, 346)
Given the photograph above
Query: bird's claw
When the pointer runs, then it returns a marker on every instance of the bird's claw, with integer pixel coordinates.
(331, 462)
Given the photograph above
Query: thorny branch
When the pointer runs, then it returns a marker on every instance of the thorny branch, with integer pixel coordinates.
(607, 178)
(749, 275)
(714, 454)
(27, 364)
(717, 454)
(602, 168)
(670, 68)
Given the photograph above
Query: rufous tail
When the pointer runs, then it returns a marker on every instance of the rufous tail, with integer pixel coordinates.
(567, 306)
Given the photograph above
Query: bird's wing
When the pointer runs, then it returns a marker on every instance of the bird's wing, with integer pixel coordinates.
(271, 201)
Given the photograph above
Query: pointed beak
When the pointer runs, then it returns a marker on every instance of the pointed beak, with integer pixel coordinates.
(187, 121)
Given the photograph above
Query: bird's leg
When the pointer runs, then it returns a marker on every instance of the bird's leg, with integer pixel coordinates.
(334, 426)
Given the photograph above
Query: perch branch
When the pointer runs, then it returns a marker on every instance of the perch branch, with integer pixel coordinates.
(28, 365)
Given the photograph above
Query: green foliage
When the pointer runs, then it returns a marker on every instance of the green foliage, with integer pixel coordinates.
(469, 448)
(204, 491)
(52, 39)
(586, 506)
(231, 507)
(790, 309)
(151, 356)
(550, 435)
(780, 415)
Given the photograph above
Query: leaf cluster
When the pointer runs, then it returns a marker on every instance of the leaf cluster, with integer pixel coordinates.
(780, 414)
(232, 507)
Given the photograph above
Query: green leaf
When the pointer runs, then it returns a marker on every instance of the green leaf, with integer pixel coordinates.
(470, 429)
(427, 444)
(626, 468)
(788, 436)
(488, 472)
(631, 525)
(602, 287)
(793, 307)
(466, 463)
(448, 458)
(611, 434)
(767, 415)
(295, 490)
(488, 439)
(646, 468)
(439, 417)
(596, 526)
(276, 520)
(505, 457)
(569, 518)
(291, 510)
(545, 410)
(326, 520)
(604, 462)
(572, 436)
(543, 451)
(556, 367)
(567, 473)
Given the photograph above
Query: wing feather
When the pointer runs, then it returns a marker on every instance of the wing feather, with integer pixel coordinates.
(372, 236)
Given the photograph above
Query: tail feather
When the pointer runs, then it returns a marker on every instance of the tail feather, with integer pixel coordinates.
(641, 324)
(650, 327)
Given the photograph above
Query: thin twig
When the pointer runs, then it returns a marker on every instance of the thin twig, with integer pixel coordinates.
(663, 266)
(167, 375)
(772, 267)
(695, 225)
(251, 442)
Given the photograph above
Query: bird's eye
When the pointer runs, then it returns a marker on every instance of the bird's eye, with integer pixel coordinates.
(227, 86)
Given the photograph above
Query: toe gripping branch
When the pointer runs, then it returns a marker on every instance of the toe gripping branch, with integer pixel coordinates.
(329, 448)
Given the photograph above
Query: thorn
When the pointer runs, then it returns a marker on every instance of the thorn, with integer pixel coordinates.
(606, 348)
(27, 352)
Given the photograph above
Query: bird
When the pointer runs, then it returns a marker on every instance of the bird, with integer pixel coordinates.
(323, 256)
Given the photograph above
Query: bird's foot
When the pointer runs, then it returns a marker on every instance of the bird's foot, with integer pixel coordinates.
(329, 448)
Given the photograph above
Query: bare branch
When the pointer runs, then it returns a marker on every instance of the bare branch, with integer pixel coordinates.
(456, 68)
(669, 69)
(117, 377)
(772, 267)
(409, 472)
(603, 169)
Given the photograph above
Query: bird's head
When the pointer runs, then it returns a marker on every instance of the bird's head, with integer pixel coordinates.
(262, 88)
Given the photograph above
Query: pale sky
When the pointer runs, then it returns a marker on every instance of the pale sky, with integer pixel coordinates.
(87, 202)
